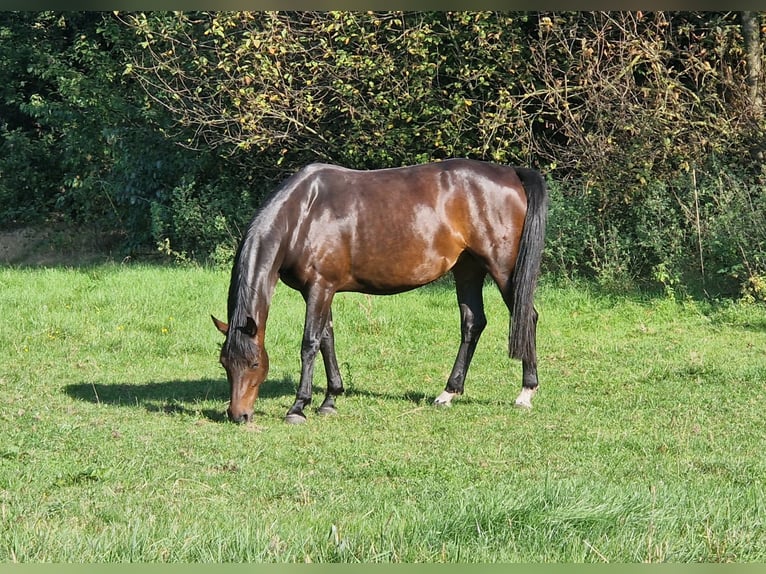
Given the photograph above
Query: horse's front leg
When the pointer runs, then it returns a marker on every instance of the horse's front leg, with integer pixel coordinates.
(318, 303)
(334, 381)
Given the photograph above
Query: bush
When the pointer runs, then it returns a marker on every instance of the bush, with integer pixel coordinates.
(641, 122)
(734, 232)
(27, 178)
(202, 222)
(702, 230)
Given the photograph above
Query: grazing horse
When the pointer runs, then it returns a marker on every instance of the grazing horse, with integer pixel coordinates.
(329, 229)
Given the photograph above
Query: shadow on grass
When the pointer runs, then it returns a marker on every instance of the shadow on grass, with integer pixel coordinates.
(418, 398)
(185, 397)
(176, 397)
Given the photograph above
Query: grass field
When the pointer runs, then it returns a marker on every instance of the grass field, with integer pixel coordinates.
(646, 442)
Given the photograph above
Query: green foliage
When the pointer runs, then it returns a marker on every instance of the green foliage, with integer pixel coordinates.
(56, 69)
(622, 110)
(216, 212)
(361, 89)
(754, 289)
(174, 125)
(701, 231)
(27, 180)
(642, 117)
(734, 234)
(82, 141)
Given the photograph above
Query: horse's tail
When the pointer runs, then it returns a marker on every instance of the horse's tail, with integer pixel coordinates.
(521, 342)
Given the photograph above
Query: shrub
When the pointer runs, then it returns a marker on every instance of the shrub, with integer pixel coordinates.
(27, 180)
(202, 221)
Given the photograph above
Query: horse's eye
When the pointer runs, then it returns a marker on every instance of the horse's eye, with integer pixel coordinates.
(255, 365)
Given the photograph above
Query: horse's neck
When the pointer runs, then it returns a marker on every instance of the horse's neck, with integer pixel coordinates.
(257, 277)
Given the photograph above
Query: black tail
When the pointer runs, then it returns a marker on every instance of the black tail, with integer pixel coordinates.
(521, 342)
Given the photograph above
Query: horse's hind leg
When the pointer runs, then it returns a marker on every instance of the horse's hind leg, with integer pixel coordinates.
(529, 375)
(469, 280)
(529, 380)
(334, 381)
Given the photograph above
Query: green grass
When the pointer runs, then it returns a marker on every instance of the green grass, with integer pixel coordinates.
(645, 443)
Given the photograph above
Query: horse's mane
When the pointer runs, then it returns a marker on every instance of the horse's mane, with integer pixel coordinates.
(258, 236)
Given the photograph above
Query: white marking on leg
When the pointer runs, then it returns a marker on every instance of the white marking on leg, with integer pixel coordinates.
(444, 399)
(524, 400)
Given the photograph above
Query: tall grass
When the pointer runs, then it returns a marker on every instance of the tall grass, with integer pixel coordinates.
(645, 443)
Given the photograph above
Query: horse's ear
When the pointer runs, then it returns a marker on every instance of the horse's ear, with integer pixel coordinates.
(220, 325)
(250, 328)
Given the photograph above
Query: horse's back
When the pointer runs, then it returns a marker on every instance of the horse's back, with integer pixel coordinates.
(394, 229)
(421, 181)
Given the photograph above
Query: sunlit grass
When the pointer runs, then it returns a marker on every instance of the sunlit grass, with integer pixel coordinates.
(645, 442)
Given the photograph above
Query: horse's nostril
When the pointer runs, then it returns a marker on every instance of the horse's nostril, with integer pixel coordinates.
(240, 418)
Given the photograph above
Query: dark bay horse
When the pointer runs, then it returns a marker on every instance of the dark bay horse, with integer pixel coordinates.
(328, 229)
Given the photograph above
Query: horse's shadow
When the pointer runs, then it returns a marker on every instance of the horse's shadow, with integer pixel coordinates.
(179, 396)
(184, 397)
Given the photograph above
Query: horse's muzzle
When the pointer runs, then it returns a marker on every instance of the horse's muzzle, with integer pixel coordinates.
(243, 417)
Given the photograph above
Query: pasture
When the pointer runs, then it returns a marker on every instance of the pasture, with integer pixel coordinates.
(645, 444)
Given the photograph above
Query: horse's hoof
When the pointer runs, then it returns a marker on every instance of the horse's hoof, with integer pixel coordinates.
(444, 399)
(524, 400)
(295, 419)
(441, 404)
(327, 411)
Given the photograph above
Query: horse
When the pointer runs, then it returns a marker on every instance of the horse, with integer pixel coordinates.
(328, 229)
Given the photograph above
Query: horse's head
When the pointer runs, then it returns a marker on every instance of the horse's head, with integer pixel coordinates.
(247, 364)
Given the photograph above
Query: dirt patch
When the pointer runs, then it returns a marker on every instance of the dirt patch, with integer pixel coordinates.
(58, 245)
